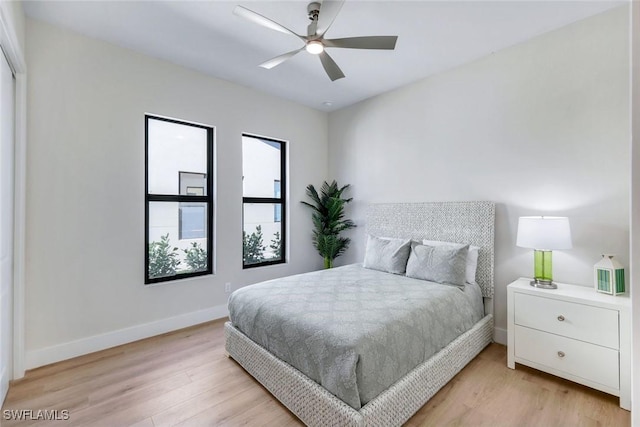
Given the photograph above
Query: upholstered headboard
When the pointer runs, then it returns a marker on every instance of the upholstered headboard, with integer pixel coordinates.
(459, 222)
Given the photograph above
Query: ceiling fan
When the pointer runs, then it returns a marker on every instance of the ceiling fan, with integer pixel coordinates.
(322, 16)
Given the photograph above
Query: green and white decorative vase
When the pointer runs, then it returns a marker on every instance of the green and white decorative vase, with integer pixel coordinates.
(609, 276)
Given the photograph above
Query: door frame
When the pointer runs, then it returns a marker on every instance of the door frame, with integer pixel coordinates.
(15, 56)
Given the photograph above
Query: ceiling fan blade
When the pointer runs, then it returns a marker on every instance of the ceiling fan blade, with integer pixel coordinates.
(279, 59)
(328, 11)
(331, 67)
(368, 42)
(264, 21)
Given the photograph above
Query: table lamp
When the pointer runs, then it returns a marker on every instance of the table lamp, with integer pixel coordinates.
(543, 234)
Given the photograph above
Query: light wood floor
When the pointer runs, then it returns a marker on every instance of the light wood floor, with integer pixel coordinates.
(185, 378)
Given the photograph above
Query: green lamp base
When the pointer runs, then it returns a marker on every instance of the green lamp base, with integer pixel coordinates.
(543, 270)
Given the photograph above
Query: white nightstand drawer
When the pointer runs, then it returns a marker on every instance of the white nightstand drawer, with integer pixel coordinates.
(593, 335)
(584, 360)
(595, 325)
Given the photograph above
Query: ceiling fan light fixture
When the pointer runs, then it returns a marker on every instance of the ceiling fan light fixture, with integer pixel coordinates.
(322, 15)
(315, 47)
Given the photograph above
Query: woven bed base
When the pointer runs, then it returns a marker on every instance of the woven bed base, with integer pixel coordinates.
(315, 406)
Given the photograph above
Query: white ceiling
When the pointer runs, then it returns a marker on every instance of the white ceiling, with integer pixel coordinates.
(205, 35)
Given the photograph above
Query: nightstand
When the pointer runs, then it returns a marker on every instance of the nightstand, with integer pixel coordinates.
(572, 332)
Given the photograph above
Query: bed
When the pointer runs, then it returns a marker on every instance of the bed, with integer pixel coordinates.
(338, 381)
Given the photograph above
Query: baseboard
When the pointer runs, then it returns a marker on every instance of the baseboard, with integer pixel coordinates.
(500, 335)
(68, 350)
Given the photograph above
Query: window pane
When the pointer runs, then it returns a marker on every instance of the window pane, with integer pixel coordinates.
(193, 221)
(192, 184)
(277, 208)
(177, 238)
(260, 166)
(176, 149)
(262, 236)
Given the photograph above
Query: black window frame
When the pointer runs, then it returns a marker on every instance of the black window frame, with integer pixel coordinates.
(179, 198)
(282, 200)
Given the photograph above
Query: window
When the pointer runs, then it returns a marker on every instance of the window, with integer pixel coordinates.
(277, 209)
(263, 202)
(179, 199)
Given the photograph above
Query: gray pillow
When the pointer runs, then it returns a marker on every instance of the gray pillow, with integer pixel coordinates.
(472, 257)
(388, 255)
(441, 264)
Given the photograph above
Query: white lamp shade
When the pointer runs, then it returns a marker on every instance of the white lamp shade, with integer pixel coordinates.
(544, 232)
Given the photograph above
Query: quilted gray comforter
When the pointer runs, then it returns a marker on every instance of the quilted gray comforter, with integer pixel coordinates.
(353, 330)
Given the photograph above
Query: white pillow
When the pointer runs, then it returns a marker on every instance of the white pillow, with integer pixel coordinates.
(472, 257)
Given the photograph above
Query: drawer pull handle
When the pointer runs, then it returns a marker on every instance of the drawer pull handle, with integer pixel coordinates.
(561, 318)
(561, 354)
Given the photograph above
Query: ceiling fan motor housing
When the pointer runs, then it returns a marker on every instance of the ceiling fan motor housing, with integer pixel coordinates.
(313, 9)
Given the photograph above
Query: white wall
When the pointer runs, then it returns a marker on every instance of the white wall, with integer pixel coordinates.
(539, 128)
(85, 206)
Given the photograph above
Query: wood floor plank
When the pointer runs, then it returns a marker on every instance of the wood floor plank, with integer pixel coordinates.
(269, 412)
(220, 413)
(184, 378)
(222, 389)
(124, 362)
(147, 422)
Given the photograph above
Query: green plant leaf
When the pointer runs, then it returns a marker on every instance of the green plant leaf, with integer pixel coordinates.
(252, 247)
(328, 220)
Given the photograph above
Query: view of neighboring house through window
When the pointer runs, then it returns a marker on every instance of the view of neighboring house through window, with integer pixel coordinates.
(264, 195)
(179, 199)
(192, 215)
